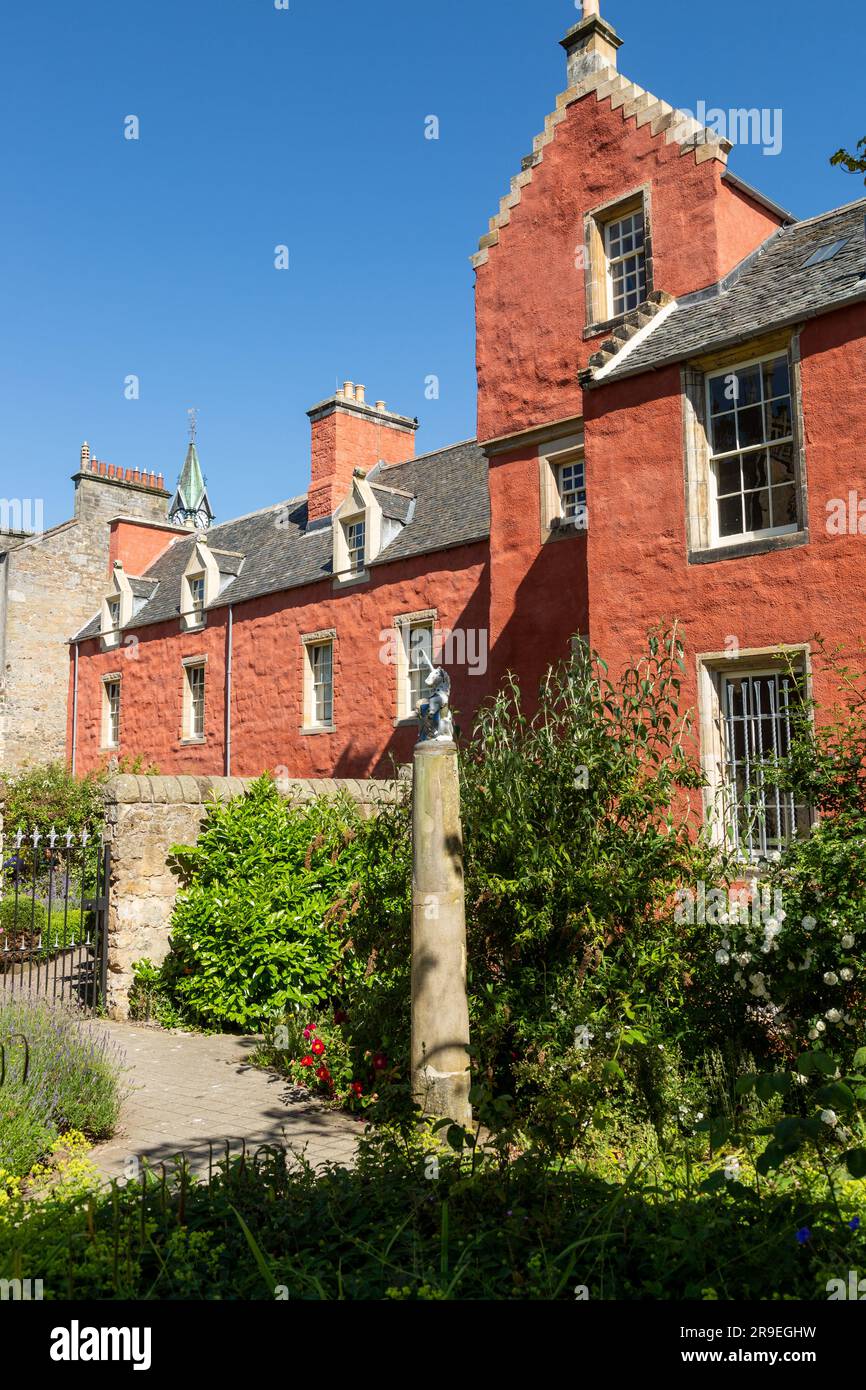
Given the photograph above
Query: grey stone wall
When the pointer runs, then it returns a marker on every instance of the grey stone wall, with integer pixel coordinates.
(145, 816)
(50, 585)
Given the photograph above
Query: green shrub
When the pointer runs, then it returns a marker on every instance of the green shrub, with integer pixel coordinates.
(72, 1081)
(42, 797)
(23, 916)
(260, 923)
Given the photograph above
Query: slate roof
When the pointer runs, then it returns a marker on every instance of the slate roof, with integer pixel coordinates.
(448, 505)
(770, 289)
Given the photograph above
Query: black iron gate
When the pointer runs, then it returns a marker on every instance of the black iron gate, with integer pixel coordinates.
(54, 918)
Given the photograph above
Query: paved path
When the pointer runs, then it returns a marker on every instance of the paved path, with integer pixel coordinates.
(188, 1090)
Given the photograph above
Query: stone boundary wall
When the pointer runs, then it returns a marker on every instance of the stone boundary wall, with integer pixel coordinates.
(145, 816)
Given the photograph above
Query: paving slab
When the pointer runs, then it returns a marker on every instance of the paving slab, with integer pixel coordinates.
(189, 1093)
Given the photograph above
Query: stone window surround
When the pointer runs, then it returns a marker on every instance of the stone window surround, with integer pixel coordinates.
(700, 548)
(308, 640)
(711, 668)
(186, 737)
(404, 622)
(598, 310)
(552, 453)
(105, 744)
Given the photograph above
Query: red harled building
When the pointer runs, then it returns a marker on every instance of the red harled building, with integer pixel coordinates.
(669, 417)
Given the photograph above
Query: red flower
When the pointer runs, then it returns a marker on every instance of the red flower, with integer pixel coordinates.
(318, 1047)
(356, 1088)
(307, 1061)
(380, 1061)
(309, 1031)
(324, 1075)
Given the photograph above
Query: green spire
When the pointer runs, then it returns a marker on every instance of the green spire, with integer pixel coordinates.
(190, 487)
(190, 505)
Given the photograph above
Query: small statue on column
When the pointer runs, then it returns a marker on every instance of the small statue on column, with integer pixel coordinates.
(434, 710)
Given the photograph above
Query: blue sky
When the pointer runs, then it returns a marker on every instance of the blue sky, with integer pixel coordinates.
(305, 127)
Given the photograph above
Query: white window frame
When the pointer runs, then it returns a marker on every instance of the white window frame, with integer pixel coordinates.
(745, 537)
(636, 254)
(406, 624)
(715, 671)
(356, 554)
(197, 591)
(190, 732)
(110, 738)
(575, 513)
(553, 457)
(314, 722)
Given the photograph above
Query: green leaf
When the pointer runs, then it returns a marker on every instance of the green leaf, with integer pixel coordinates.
(855, 1161)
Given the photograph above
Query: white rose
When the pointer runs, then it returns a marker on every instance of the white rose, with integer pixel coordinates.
(829, 1117)
(830, 977)
(832, 1016)
(847, 941)
(846, 973)
(722, 958)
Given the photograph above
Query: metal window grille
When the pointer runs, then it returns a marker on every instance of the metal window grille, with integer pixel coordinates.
(196, 678)
(321, 659)
(626, 262)
(757, 712)
(420, 643)
(112, 713)
(355, 531)
(572, 490)
(752, 449)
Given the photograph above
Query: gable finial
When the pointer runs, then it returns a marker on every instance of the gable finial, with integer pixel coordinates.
(590, 7)
(193, 423)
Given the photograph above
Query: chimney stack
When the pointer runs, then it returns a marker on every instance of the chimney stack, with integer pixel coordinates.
(590, 45)
(348, 434)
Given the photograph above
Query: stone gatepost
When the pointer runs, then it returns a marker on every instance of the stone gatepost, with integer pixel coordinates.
(440, 1009)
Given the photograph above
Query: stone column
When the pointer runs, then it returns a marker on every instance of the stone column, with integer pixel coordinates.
(440, 1009)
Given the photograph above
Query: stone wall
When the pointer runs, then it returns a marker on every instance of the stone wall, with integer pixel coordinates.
(145, 816)
(52, 584)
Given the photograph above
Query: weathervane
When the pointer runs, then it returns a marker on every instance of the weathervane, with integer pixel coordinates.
(193, 423)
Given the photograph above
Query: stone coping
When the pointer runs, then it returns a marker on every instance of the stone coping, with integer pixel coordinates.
(131, 789)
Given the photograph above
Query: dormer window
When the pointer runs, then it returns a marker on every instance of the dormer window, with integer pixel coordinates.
(117, 609)
(357, 531)
(355, 543)
(200, 585)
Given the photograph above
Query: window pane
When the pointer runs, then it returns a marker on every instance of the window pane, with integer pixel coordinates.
(750, 427)
(776, 378)
(754, 468)
(748, 386)
(784, 506)
(731, 516)
(764, 816)
(757, 511)
(779, 421)
(729, 476)
(782, 463)
(724, 434)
